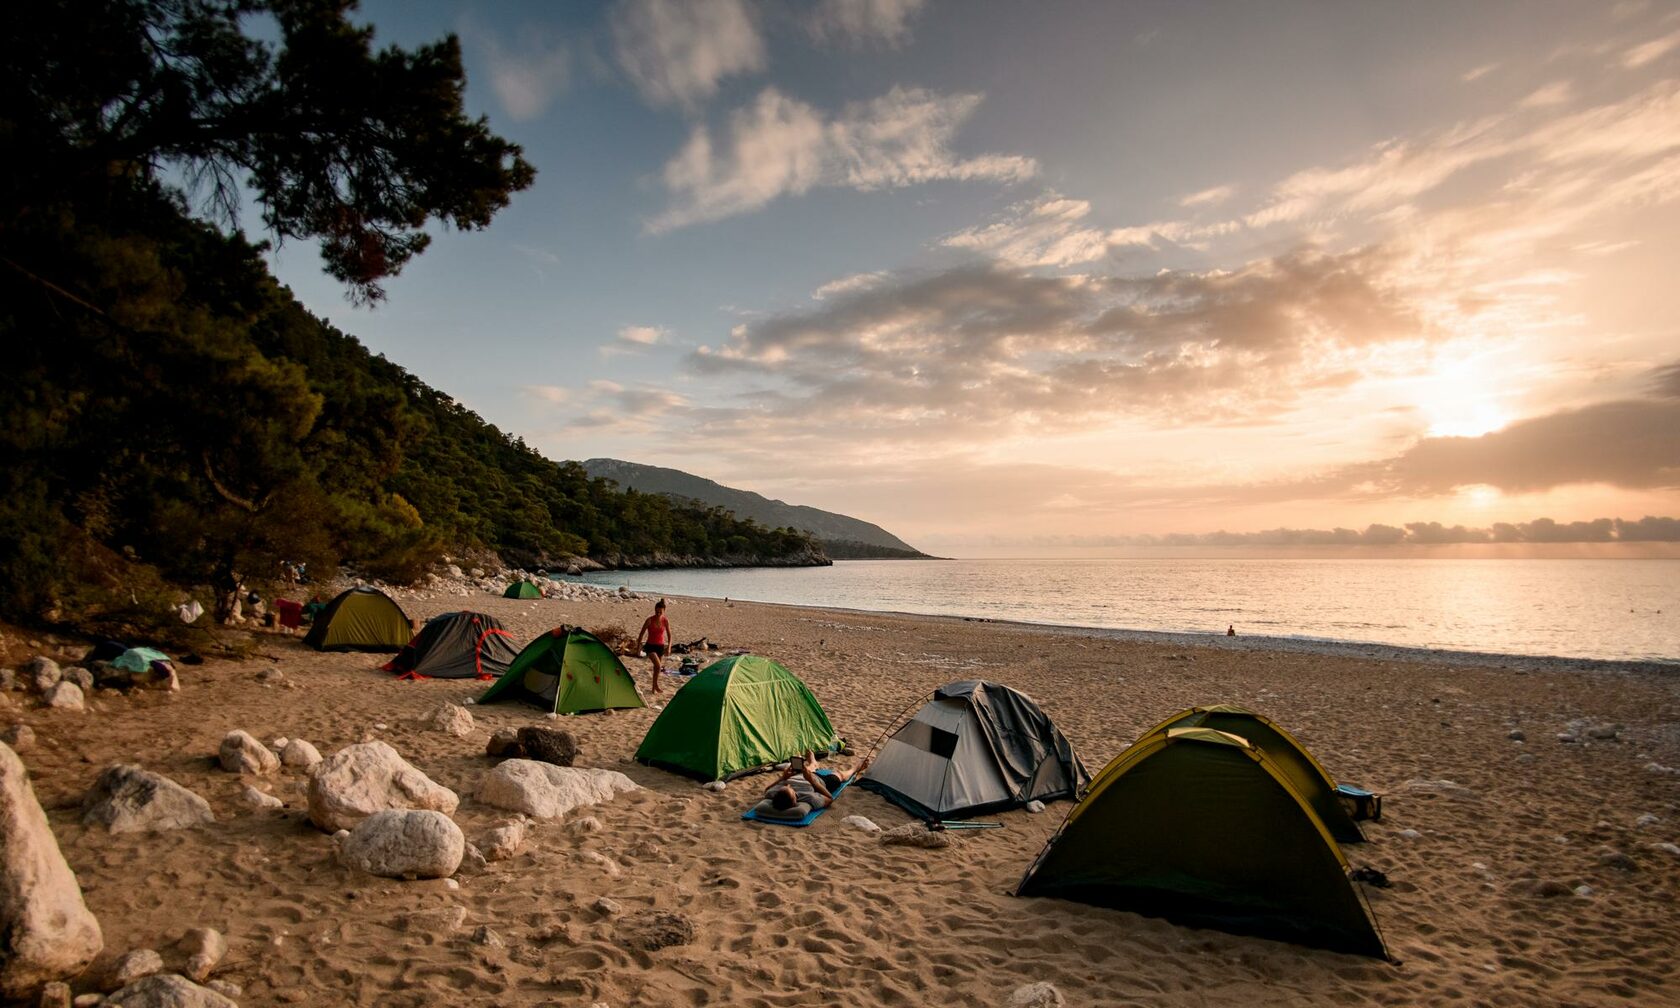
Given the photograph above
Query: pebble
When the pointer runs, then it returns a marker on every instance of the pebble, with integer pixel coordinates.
(1035, 806)
(1646, 820)
(862, 823)
(1409, 834)
(606, 907)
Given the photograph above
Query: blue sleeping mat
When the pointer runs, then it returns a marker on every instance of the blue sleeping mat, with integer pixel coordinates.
(807, 819)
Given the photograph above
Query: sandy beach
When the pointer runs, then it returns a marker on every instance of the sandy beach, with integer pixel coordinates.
(1526, 870)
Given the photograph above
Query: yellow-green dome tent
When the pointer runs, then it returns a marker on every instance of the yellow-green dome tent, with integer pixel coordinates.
(1202, 828)
(567, 671)
(737, 714)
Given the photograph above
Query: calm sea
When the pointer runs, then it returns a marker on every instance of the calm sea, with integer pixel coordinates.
(1578, 608)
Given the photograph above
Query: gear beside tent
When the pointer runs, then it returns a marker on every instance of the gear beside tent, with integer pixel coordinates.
(567, 671)
(737, 714)
(522, 590)
(975, 748)
(457, 645)
(361, 619)
(1202, 828)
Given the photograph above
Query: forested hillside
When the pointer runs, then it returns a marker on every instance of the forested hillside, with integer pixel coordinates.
(169, 415)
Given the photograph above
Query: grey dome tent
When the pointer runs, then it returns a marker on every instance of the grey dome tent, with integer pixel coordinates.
(976, 747)
(457, 645)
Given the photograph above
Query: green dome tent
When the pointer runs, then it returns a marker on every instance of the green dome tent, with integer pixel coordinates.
(522, 589)
(1290, 757)
(566, 671)
(1202, 828)
(361, 619)
(737, 714)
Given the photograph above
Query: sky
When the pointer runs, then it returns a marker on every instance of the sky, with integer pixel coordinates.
(1054, 272)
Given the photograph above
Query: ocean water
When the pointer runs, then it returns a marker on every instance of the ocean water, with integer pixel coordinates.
(1578, 608)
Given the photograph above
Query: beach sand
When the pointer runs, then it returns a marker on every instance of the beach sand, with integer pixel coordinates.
(827, 915)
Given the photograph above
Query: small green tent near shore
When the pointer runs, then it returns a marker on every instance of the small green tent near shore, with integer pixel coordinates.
(522, 589)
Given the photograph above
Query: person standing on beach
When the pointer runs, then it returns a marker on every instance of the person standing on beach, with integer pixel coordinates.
(657, 630)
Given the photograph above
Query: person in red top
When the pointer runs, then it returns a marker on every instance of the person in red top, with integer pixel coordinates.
(657, 630)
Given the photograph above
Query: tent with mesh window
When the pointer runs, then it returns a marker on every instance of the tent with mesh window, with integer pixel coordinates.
(975, 748)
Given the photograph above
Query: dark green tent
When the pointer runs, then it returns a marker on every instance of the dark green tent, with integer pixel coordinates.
(361, 619)
(522, 589)
(1202, 828)
(737, 714)
(1286, 753)
(566, 671)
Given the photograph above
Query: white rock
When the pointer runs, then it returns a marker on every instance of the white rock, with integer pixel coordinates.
(606, 906)
(451, 718)
(370, 777)
(546, 791)
(1666, 848)
(1444, 788)
(88, 1000)
(127, 799)
(260, 800)
(1036, 995)
(168, 990)
(241, 753)
(81, 677)
(46, 931)
(66, 695)
(1646, 820)
(504, 841)
(1658, 768)
(278, 746)
(1035, 806)
(132, 966)
(587, 824)
(18, 736)
(715, 785)
(1584, 891)
(204, 948)
(862, 823)
(299, 754)
(1409, 834)
(407, 842)
(226, 988)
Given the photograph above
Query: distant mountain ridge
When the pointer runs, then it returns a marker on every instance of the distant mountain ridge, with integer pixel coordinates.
(843, 536)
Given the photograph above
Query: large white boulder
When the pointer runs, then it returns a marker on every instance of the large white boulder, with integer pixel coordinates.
(168, 990)
(370, 777)
(46, 931)
(241, 753)
(546, 791)
(413, 842)
(127, 799)
(64, 695)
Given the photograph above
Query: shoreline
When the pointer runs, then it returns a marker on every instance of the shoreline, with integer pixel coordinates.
(1317, 646)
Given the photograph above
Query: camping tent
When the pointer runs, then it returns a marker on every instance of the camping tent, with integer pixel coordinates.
(976, 747)
(522, 589)
(361, 619)
(457, 645)
(138, 660)
(737, 714)
(1286, 753)
(1202, 828)
(566, 671)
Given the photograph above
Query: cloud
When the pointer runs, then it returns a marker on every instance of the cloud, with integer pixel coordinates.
(1650, 52)
(548, 393)
(859, 22)
(1632, 444)
(634, 339)
(991, 350)
(1555, 93)
(1208, 197)
(526, 81)
(1479, 72)
(1049, 231)
(780, 146)
(677, 51)
(1665, 381)
(857, 281)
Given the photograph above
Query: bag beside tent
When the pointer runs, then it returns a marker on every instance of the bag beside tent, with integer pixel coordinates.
(976, 747)
(1286, 753)
(566, 671)
(1202, 828)
(737, 714)
(361, 619)
(457, 645)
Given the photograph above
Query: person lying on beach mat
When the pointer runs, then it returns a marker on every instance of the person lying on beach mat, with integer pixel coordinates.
(803, 792)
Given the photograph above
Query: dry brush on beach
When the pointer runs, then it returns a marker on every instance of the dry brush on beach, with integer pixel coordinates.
(1530, 831)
